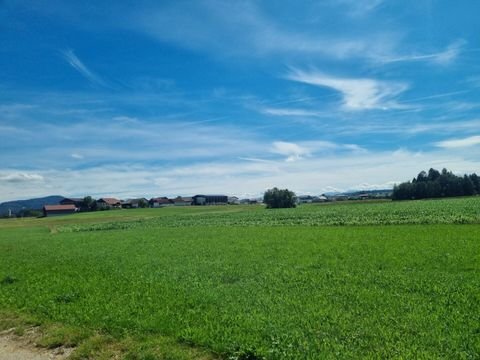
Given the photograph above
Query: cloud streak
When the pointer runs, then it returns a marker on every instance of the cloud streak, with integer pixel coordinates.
(446, 57)
(357, 93)
(79, 66)
(459, 143)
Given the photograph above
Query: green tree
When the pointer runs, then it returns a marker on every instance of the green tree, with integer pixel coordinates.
(468, 186)
(476, 182)
(88, 203)
(142, 203)
(433, 174)
(437, 184)
(279, 198)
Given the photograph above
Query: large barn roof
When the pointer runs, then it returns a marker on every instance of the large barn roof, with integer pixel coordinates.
(110, 201)
(59, 207)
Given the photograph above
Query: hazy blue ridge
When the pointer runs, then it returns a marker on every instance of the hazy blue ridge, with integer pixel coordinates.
(30, 204)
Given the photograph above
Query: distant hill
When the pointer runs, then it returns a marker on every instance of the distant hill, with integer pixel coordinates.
(369, 192)
(358, 192)
(31, 204)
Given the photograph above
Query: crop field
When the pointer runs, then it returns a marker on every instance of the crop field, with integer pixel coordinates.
(323, 281)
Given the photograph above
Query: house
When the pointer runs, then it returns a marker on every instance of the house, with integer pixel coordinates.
(108, 203)
(210, 200)
(78, 202)
(160, 202)
(182, 201)
(338, 197)
(321, 198)
(233, 200)
(305, 199)
(250, 201)
(134, 203)
(56, 210)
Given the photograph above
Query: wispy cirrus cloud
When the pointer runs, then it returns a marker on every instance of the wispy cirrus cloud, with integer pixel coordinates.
(226, 28)
(445, 57)
(78, 65)
(357, 93)
(359, 8)
(459, 143)
(274, 111)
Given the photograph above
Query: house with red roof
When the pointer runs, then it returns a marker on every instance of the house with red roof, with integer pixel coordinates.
(56, 210)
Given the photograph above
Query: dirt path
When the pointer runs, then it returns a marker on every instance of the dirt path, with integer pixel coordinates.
(21, 348)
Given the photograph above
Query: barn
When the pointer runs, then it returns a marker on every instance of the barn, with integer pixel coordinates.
(57, 210)
(210, 200)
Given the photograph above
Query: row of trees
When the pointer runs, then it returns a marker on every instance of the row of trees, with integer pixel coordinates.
(436, 184)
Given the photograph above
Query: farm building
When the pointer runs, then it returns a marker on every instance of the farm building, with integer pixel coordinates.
(134, 203)
(307, 199)
(108, 203)
(321, 198)
(57, 210)
(304, 199)
(210, 200)
(160, 202)
(182, 201)
(78, 202)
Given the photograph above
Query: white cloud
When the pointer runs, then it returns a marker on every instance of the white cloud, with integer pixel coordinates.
(309, 174)
(292, 151)
(20, 177)
(459, 143)
(77, 156)
(300, 150)
(358, 94)
(78, 65)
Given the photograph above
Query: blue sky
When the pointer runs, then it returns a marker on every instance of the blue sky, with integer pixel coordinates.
(153, 98)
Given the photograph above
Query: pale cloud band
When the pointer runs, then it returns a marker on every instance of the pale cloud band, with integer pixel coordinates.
(459, 143)
(357, 93)
(309, 174)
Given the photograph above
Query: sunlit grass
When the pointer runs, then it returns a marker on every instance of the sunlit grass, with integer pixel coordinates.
(267, 289)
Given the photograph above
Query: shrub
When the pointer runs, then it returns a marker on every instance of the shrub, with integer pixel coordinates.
(279, 198)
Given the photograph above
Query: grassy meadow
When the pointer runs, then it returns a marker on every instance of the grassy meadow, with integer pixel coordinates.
(324, 281)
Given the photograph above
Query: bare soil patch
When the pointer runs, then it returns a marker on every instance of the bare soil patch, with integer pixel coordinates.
(13, 347)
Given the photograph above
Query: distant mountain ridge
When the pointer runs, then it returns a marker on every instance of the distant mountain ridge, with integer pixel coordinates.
(357, 192)
(32, 204)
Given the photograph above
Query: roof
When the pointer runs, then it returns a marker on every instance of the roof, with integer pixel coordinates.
(59, 207)
(161, 200)
(109, 201)
(212, 195)
(133, 201)
(184, 199)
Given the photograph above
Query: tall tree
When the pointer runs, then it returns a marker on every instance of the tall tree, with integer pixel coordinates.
(276, 198)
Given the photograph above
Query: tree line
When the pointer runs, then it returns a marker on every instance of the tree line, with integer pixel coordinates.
(436, 184)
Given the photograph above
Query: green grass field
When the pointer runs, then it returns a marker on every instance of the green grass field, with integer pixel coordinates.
(346, 280)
